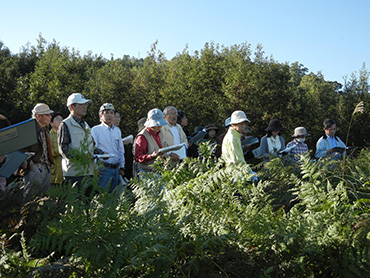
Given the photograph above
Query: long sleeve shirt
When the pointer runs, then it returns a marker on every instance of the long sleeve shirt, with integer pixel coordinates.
(141, 147)
(64, 138)
(109, 140)
(325, 143)
(232, 151)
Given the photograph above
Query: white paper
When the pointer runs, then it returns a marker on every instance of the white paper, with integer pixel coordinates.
(105, 155)
(286, 150)
(172, 148)
(128, 140)
(180, 150)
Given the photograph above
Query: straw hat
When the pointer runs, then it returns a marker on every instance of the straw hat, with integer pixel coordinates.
(41, 109)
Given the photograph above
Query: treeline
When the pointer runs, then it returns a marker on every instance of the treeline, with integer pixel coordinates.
(208, 85)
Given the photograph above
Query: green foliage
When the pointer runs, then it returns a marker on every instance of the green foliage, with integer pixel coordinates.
(208, 85)
(18, 263)
(200, 219)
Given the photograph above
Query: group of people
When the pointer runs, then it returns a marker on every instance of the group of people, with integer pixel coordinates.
(55, 157)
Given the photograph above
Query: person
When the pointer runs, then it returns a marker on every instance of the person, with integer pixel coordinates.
(74, 136)
(330, 145)
(4, 122)
(37, 167)
(148, 142)
(183, 121)
(272, 142)
(297, 147)
(221, 137)
(117, 118)
(140, 124)
(192, 150)
(232, 151)
(172, 133)
(108, 138)
(56, 168)
(210, 137)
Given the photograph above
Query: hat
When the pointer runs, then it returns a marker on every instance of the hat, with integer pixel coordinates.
(300, 131)
(274, 125)
(76, 98)
(140, 124)
(238, 117)
(210, 127)
(106, 106)
(41, 108)
(155, 118)
(227, 122)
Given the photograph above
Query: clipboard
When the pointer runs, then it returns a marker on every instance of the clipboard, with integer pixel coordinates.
(18, 136)
(12, 162)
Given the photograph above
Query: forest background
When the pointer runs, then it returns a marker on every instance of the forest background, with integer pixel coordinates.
(208, 85)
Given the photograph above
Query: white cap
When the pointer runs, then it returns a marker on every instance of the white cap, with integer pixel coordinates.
(238, 117)
(76, 98)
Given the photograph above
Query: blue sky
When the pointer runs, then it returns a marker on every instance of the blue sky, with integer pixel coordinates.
(327, 36)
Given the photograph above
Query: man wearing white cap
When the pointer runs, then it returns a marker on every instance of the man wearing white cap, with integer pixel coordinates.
(74, 132)
(108, 138)
(37, 170)
(148, 141)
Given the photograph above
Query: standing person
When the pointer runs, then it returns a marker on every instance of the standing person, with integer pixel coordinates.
(297, 147)
(148, 142)
(117, 118)
(210, 137)
(4, 122)
(38, 166)
(272, 142)
(108, 138)
(74, 136)
(183, 121)
(330, 145)
(221, 137)
(232, 151)
(56, 168)
(172, 134)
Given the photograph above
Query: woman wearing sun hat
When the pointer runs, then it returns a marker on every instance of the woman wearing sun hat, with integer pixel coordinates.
(147, 142)
(272, 142)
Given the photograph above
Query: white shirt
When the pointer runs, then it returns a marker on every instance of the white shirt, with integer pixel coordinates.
(109, 140)
(176, 135)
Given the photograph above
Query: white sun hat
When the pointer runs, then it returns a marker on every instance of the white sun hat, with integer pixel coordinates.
(238, 117)
(155, 118)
